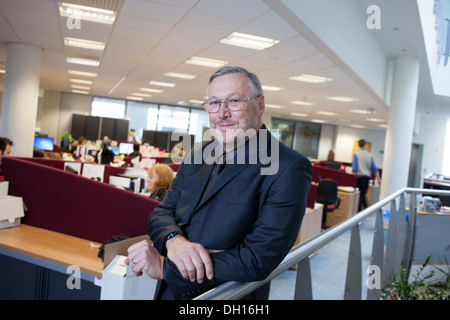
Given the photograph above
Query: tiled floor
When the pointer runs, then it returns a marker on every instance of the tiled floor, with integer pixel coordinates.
(329, 268)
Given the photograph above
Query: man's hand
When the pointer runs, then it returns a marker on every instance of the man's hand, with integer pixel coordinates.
(143, 257)
(191, 259)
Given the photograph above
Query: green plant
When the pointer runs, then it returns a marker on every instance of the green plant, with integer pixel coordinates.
(67, 134)
(419, 288)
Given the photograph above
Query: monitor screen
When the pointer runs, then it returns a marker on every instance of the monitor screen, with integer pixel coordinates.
(43, 143)
(115, 150)
(125, 148)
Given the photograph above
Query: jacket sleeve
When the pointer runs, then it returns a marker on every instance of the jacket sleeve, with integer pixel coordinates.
(272, 237)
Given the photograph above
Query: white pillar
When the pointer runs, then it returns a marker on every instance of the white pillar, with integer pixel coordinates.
(399, 134)
(20, 97)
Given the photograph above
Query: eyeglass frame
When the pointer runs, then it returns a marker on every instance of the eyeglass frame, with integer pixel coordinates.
(225, 101)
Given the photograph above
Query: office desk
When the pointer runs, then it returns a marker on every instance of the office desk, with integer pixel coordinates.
(347, 208)
(34, 261)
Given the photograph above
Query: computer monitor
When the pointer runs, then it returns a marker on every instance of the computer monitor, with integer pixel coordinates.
(125, 148)
(114, 149)
(43, 143)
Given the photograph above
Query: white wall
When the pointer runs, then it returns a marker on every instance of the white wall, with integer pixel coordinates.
(72, 103)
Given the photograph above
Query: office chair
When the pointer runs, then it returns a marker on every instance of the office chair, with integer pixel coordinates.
(327, 194)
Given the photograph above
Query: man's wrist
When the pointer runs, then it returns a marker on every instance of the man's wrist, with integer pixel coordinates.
(171, 239)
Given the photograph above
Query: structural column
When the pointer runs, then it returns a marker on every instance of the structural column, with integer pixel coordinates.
(399, 134)
(20, 97)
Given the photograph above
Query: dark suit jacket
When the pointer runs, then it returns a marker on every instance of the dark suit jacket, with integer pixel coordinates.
(254, 218)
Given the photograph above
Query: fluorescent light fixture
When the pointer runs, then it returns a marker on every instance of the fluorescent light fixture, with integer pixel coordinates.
(205, 62)
(86, 13)
(310, 78)
(134, 98)
(303, 103)
(150, 90)
(299, 114)
(180, 75)
(82, 73)
(357, 126)
(270, 88)
(327, 113)
(343, 99)
(375, 120)
(273, 106)
(81, 81)
(85, 44)
(75, 86)
(80, 91)
(249, 41)
(382, 126)
(162, 84)
(82, 61)
(138, 94)
(196, 101)
(2, 71)
(318, 121)
(360, 111)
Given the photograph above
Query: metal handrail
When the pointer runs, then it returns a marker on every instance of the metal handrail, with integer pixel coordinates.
(233, 290)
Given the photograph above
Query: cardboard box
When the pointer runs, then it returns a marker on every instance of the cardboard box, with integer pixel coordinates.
(118, 281)
(11, 210)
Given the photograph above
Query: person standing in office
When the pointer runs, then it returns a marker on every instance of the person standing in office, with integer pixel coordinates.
(243, 226)
(5, 149)
(362, 166)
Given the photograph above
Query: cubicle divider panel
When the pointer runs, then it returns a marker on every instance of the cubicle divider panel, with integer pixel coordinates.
(342, 178)
(71, 204)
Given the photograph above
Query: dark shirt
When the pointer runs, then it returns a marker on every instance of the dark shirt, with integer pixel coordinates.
(159, 194)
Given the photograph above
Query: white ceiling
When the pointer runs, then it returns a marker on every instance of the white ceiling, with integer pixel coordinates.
(152, 37)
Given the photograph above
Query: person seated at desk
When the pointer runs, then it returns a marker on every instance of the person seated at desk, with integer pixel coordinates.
(159, 180)
(5, 149)
(106, 155)
(135, 152)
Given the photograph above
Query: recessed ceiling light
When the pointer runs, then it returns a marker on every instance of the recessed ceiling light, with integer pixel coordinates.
(299, 114)
(382, 126)
(82, 73)
(361, 111)
(151, 90)
(2, 71)
(375, 120)
(83, 61)
(85, 44)
(205, 62)
(162, 84)
(273, 106)
(357, 126)
(318, 121)
(310, 78)
(80, 91)
(134, 98)
(303, 103)
(86, 13)
(327, 113)
(249, 41)
(145, 95)
(270, 88)
(196, 101)
(180, 75)
(343, 99)
(81, 81)
(75, 86)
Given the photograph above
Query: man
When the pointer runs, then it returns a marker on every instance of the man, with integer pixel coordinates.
(5, 149)
(243, 226)
(362, 166)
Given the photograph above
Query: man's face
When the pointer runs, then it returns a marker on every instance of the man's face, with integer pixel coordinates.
(226, 122)
(7, 151)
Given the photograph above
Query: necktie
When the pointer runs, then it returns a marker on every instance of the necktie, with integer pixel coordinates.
(215, 174)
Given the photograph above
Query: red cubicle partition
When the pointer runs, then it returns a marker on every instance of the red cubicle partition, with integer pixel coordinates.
(342, 178)
(68, 203)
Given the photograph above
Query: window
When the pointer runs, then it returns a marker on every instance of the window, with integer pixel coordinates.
(173, 118)
(199, 122)
(108, 108)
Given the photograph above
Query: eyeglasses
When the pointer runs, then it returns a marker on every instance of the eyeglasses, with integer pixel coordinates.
(213, 105)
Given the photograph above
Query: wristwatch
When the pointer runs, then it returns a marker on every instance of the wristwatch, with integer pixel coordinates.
(170, 236)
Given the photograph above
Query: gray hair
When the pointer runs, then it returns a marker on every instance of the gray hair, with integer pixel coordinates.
(255, 84)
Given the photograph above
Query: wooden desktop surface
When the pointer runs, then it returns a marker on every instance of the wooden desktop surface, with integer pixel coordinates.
(53, 247)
